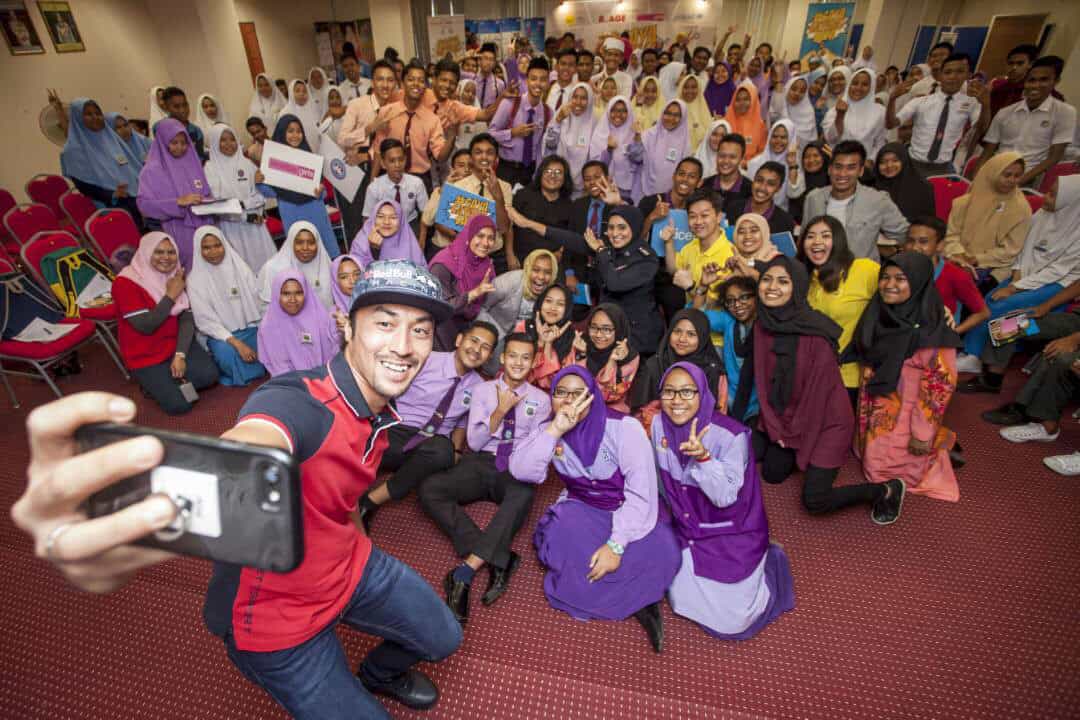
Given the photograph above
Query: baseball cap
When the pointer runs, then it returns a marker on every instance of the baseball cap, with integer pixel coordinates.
(400, 282)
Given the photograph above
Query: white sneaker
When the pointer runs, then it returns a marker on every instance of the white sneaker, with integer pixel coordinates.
(968, 364)
(1031, 432)
(1064, 464)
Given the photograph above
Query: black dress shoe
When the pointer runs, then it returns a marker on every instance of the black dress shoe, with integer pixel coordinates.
(412, 689)
(957, 459)
(977, 384)
(367, 514)
(500, 579)
(650, 619)
(1008, 414)
(457, 597)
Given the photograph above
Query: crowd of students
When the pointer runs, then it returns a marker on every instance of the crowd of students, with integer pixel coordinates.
(702, 268)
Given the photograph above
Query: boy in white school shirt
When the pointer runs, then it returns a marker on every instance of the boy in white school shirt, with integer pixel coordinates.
(942, 117)
(395, 184)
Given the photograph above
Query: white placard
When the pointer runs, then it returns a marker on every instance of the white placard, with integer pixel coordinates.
(345, 178)
(291, 169)
(97, 292)
(38, 330)
(231, 206)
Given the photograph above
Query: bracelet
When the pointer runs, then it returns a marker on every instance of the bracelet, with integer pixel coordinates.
(180, 354)
(615, 547)
(701, 290)
(707, 458)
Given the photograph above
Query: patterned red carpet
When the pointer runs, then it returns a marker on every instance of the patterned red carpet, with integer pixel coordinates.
(964, 610)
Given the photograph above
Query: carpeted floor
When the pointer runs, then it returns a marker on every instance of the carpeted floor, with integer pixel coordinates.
(965, 610)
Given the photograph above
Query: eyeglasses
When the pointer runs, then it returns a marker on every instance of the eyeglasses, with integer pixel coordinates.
(738, 300)
(563, 393)
(602, 329)
(554, 172)
(685, 393)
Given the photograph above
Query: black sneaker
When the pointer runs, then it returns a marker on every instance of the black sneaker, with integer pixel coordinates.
(977, 384)
(886, 509)
(1008, 414)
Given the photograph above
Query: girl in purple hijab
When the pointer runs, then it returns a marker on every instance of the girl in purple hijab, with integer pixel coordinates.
(171, 181)
(608, 551)
(666, 144)
(466, 272)
(297, 333)
(616, 143)
(732, 581)
(720, 89)
(344, 272)
(385, 236)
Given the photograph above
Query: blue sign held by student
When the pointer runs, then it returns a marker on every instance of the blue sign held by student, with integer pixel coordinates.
(683, 234)
(457, 206)
(784, 242)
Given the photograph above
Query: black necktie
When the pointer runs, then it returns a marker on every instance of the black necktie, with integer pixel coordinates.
(527, 157)
(407, 141)
(435, 422)
(483, 93)
(939, 134)
(558, 103)
(397, 195)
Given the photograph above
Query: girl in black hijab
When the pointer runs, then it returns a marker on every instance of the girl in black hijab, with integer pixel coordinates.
(815, 171)
(609, 353)
(692, 339)
(909, 190)
(554, 334)
(908, 354)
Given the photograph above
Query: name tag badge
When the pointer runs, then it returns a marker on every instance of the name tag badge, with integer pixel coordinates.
(121, 160)
(508, 435)
(530, 407)
(582, 141)
(198, 184)
(1046, 123)
(305, 338)
(466, 397)
(234, 292)
(672, 155)
(240, 174)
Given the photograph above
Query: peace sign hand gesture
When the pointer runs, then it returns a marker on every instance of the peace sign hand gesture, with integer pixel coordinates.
(570, 414)
(612, 196)
(693, 447)
(622, 349)
(483, 288)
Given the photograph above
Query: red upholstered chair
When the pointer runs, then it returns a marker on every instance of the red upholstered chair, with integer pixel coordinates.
(113, 235)
(1035, 199)
(946, 189)
(43, 355)
(275, 227)
(1059, 170)
(7, 243)
(77, 209)
(969, 167)
(24, 221)
(47, 189)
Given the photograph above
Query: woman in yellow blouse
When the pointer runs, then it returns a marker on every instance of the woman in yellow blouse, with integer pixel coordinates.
(841, 284)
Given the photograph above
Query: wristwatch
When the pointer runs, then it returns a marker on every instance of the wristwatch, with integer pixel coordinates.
(615, 547)
(701, 290)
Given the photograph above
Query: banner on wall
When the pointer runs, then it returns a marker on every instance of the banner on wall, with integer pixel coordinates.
(366, 40)
(533, 28)
(826, 30)
(446, 36)
(330, 37)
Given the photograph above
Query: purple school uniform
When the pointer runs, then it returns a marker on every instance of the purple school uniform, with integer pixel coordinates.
(512, 148)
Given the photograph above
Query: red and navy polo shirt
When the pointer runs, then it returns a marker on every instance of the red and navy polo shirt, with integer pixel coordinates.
(338, 443)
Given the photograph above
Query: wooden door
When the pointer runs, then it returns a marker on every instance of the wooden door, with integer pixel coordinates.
(1006, 32)
(251, 49)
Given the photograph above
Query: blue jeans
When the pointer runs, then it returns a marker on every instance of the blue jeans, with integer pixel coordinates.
(313, 679)
(976, 338)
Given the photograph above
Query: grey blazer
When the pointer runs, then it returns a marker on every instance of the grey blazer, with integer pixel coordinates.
(869, 214)
(501, 305)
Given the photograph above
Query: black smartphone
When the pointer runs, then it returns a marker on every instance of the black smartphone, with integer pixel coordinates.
(237, 503)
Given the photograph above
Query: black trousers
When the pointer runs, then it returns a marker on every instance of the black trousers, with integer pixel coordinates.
(515, 173)
(159, 384)
(410, 468)
(818, 495)
(1051, 387)
(670, 297)
(473, 479)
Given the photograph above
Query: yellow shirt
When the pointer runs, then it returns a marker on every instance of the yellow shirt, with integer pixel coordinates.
(692, 258)
(846, 305)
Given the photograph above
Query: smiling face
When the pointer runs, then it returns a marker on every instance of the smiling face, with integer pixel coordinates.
(740, 303)
(817, 243)
(601, 330)
(483, 156)
(893, 285)
(537, 81)
(672, 116)
(648, 93)
(569, 389)
(212, 249)
(859, 87)
(579, 101)
(177, 107)
(748, 238)
(415, 84)
(164, 257)
(178, 146)
(1009, 179)
(474, 347)
(844, 172)
(348, 274)
(294, 134)
(923, 240)
(553, 308)
(889, 165)
(608, 90)
(703, 219)
(796, 92)
(316, 79)
(228, 144)
(686, 180)
(836, 84)
(517, 360)
(445, 84)
(766, 184)
(775, 287)
(684, 338)
(812, 160)
(291, 297)
(209, 108)
(1039, 84)
(93, 119)
(742, 101)
(305, 246)
(937, 57)
(386, 221)
(565, 67)
(619, 232)
(300, 93)
(383, 83)
(482, 242)
(689, 90)
(540, 275)
(720, 74)
(264, 87)
(389, 345)
(552, 174)
(618, 114)
(778, 140)
(728, 157)
(678, 410)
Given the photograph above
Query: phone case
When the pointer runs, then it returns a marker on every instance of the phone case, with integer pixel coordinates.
(239, 503)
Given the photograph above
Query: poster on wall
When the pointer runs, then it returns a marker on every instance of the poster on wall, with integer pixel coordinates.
(62, 28)
(826, 30)
(533, 28)
(19, 32)
(509, 28)
(446, 36)
(330, 38)
(488, 31)
(365, 41)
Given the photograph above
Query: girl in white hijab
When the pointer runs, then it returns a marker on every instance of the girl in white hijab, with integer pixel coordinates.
(300, 255)
(796, 107)
(301, 106)
(156, 113)
(318, 95)
(208, 111)
(710, 145)
(267, 101)
(571, 133)
(781, 142)
(468, 130)
(231, 175)
(669, 80)
(225, 305)
(857, 116)
(835, 86)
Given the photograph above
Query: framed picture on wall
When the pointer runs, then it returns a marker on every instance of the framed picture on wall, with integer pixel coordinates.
(62, 28)
(19, 32)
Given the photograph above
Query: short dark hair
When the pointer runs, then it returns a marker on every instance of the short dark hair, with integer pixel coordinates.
(706, 195)
(650, 51)
(389, 144)
(701, 48)
(734, 46)
(414, 64)
(349, 56)
(568, 34)
(934, 223)
(538, 63)
(566, 51)
(446, 65)
(482, 325)
(773, 167)
(585, 53)
(489, 47)
(254, 120)
(391, 53)
(743, 282)
(550, 39)
(567, 188)
(1028, 49)
(735, 139)
(765, 44)
(1050, 61)
(693, 161)
(840, 257)
(943, 44)
(381, 63)
(958, 57)
(850, 147)
(171, 92)
(458, 153)
(521, 337)
(595, 163)
(892, 67)
(483, 138)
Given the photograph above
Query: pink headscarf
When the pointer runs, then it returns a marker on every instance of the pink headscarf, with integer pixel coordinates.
(142, 272)
(459, 259)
